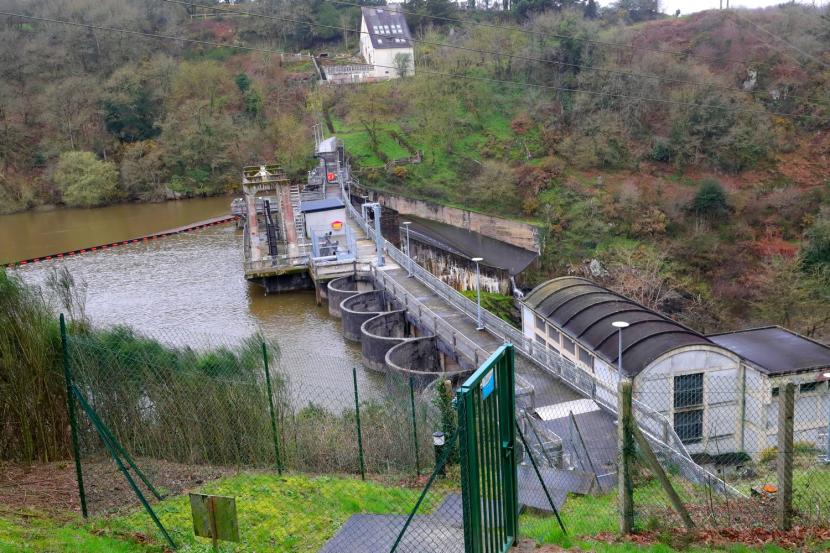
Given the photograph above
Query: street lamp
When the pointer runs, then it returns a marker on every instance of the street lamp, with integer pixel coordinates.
(620, 325)
(479, 324)
(827, 452)
(408, 252)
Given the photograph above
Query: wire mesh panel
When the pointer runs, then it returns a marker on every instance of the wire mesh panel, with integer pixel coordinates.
(175, 412)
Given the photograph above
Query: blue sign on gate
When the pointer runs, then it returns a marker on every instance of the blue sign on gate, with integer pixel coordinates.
(488, 384)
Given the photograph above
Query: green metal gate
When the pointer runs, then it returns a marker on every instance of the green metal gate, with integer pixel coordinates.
(486, 406)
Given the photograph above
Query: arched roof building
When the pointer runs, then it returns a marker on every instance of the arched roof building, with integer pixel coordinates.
(586, 310)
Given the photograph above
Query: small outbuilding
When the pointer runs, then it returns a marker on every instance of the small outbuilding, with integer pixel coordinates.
(324, 217)
(718, 392)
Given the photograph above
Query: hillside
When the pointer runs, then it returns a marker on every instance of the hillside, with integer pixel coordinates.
(691, 164)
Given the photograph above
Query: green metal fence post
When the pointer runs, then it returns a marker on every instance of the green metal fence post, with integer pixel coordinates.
(414, 426)
(359, 431)
(438, 469)
(73, 423)
(104, 434)
(274, 434)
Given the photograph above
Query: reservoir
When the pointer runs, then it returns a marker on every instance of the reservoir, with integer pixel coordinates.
(187, 289)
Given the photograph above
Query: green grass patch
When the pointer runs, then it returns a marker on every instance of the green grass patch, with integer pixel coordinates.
(290, 514)
(500, 305)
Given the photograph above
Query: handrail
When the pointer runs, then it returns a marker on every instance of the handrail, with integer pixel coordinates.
(461, 343)
(587, 383)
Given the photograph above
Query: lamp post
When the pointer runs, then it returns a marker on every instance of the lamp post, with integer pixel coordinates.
(438, 441)
(408, 252)
(827, 451)
(619, 325)
(479, 324)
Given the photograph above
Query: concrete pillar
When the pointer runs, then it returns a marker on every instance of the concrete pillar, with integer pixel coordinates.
(253, 226)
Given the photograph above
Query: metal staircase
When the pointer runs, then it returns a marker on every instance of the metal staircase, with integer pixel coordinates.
(299, 220)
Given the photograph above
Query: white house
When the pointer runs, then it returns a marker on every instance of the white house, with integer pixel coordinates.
(385, 43)
(718, 392)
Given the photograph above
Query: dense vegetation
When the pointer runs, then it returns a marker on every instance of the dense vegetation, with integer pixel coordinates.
(690, 171)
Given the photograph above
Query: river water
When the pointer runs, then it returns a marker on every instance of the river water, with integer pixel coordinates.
(188, 288)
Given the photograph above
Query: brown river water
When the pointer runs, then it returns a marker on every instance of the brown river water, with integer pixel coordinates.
(187, 288)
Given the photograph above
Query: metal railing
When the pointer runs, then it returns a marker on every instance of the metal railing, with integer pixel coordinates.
(429, 319)
(654, 424)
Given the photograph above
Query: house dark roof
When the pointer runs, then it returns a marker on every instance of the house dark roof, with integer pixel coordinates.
(775, 350)
(326, 204)
(586, 310)
(387, 28)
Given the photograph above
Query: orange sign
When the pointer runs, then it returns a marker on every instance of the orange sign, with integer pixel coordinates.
(337, 225)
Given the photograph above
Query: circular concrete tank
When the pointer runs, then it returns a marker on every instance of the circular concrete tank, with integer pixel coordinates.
(418, 358)
(379, 335)
(339, 289)
(358, 309)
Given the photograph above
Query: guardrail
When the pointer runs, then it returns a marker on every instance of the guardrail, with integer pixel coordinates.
(428, 318)
(654, 424)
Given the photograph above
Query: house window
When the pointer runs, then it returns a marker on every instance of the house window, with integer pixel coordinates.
(586, 358)
(539, 339)
(688, 407)
(568, 345)
(540, 323)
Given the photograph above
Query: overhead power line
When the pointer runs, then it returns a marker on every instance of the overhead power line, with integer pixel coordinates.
(618, 45)
(618, 72)
(781, 39)
(521, 84)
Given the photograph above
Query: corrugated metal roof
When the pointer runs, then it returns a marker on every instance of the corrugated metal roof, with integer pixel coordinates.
(387, 28)
(585, 310)
(775, 350)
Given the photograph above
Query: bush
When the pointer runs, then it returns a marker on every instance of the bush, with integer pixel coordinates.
(817, 249)
(661, 151)
(710, 200)
(84, 180)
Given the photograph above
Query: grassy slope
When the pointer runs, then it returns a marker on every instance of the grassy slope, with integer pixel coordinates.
(299, 513)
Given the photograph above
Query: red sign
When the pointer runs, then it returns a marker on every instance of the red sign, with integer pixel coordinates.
(332, 177)
(337, 225)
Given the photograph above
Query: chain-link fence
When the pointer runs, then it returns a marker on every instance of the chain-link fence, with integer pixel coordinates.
(729, 424)
(187, 409)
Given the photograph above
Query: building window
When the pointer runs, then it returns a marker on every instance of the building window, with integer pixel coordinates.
(586, 358)
(775, 392)
(688, 407)
(539, 339)
(568, 345)
(553, 335)
(540, 323)
(808, 387)
(689, 426)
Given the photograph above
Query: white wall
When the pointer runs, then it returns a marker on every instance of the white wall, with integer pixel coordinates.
(811, 409)
(654, 386)
(322, 220)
